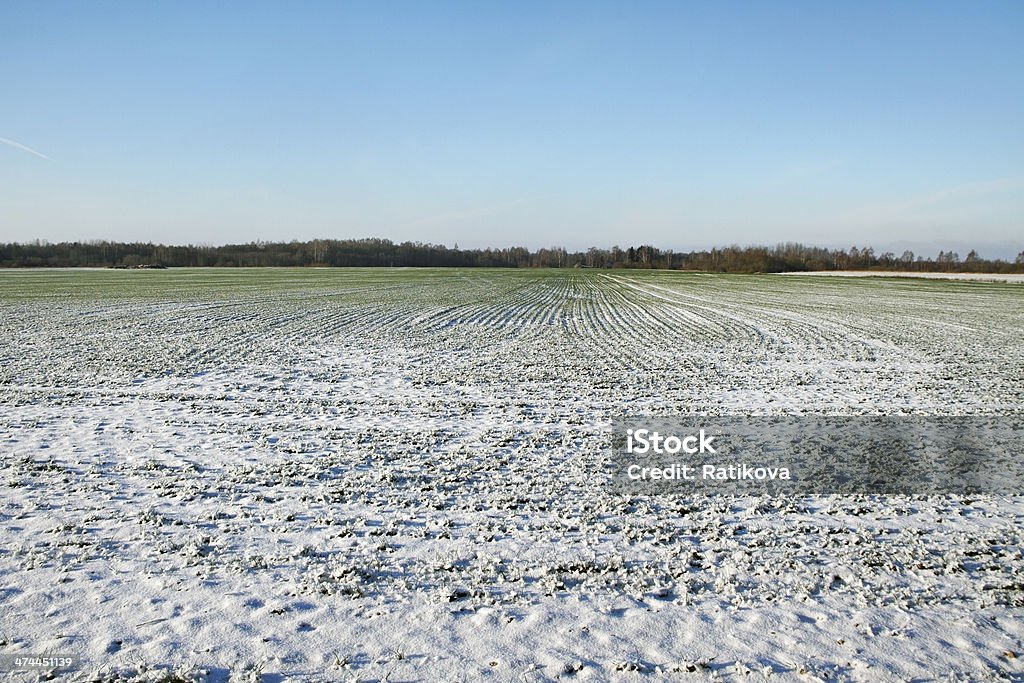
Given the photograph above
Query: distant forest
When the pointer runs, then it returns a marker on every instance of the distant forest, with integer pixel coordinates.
(787, 257)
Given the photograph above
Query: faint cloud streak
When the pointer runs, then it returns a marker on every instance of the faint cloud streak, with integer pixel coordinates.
(482, 212)
(914, 204)
(26, 148)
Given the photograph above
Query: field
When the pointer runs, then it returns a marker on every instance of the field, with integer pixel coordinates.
(396, 475)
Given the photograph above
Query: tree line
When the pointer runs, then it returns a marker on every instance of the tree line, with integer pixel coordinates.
(788, 257)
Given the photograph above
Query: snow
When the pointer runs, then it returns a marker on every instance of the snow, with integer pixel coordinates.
(976, 277)
(395, 475)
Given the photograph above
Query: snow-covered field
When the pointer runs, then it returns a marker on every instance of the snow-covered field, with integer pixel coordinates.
(395, 475)
(977, 277)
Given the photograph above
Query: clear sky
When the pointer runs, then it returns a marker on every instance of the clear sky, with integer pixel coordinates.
(679, 124)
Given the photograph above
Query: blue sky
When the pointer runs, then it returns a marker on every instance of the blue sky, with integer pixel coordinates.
(680, 124)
